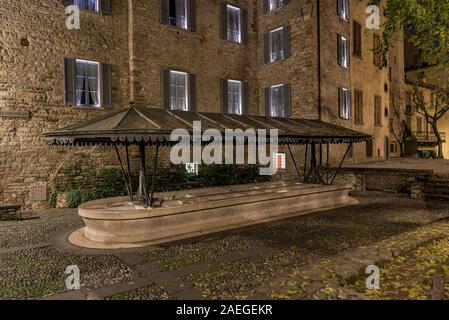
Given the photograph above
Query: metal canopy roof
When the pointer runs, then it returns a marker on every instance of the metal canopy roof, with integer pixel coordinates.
(155, 125)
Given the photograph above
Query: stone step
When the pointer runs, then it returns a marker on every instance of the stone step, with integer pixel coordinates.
(436, 184)
(437, 197)
(438, 181)
(436, 192)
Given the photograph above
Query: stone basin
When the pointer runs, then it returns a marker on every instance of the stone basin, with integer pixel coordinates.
(118, 223)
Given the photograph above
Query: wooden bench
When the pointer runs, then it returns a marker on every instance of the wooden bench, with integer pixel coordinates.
(11, 210)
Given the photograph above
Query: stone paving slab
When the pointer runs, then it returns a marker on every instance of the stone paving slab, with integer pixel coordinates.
(121, 287)
(70, 295)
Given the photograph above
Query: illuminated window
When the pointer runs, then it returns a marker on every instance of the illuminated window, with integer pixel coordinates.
(280, 161)
(345, 103)
(234, 24)
(91, 5)
(235, 97)
(343, 9)
(87, 83)
(178, 91)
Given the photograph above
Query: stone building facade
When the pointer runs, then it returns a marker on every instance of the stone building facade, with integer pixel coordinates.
(135, 40)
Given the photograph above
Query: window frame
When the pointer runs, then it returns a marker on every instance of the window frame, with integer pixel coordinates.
(345, 103)
(343, 15)
(343, 48)
(281, 30)
(186, 90)
(270, 9)
(97, 9)
(282, 94)
(86, 79)
(230, 7)
(186, 16)
(229, 92)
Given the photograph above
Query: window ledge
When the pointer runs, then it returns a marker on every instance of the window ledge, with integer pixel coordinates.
(235, 42)
(88, 108)
(277, 61)
(343, 19)
(344, 68)
(276, 10)
(175, 28)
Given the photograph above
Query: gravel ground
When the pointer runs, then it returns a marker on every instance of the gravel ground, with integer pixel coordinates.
(178, 256)
(152, 292)
(37, 228)
(39, 272)
(281, 248)
(316, 237)
(239, 278)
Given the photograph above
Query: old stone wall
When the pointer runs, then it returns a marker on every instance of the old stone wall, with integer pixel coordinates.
(34, 41)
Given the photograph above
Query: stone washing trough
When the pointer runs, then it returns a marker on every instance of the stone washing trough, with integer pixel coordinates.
(117, 223)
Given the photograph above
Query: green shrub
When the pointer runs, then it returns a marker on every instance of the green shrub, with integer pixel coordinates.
(76, 197)
(108, 182)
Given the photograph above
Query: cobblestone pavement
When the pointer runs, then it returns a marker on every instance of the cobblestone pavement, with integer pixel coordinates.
(319, 256)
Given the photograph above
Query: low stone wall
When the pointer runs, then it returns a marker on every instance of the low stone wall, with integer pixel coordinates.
(388, 180)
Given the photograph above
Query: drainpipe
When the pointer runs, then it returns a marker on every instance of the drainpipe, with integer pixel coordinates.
(131, 48)
(318, 20)
(318, 26)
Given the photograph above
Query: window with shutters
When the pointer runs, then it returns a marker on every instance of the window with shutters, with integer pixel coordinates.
(377, 111)
(275, 4)
(92, 5)
(87, 83)
(234, 24)
(377, 54)
(345, 103)
(358, 107)
(343, 51)
(235, 100)
(343, 9)
(277, 44)
(178, 13)
(179, 91)
(357, 39)
(278, 103)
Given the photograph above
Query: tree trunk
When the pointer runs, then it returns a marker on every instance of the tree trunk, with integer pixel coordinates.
(439, 140)
(401, 148)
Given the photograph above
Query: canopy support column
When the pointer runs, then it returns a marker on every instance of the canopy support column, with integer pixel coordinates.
(142, 192)
(294, 161)
(305, 161)
(154, 175)
(129, 173)
(341, 163)
(313, 176)
(122, 170)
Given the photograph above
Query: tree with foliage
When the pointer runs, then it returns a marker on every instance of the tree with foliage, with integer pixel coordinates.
(426, 23)
(433, 110)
